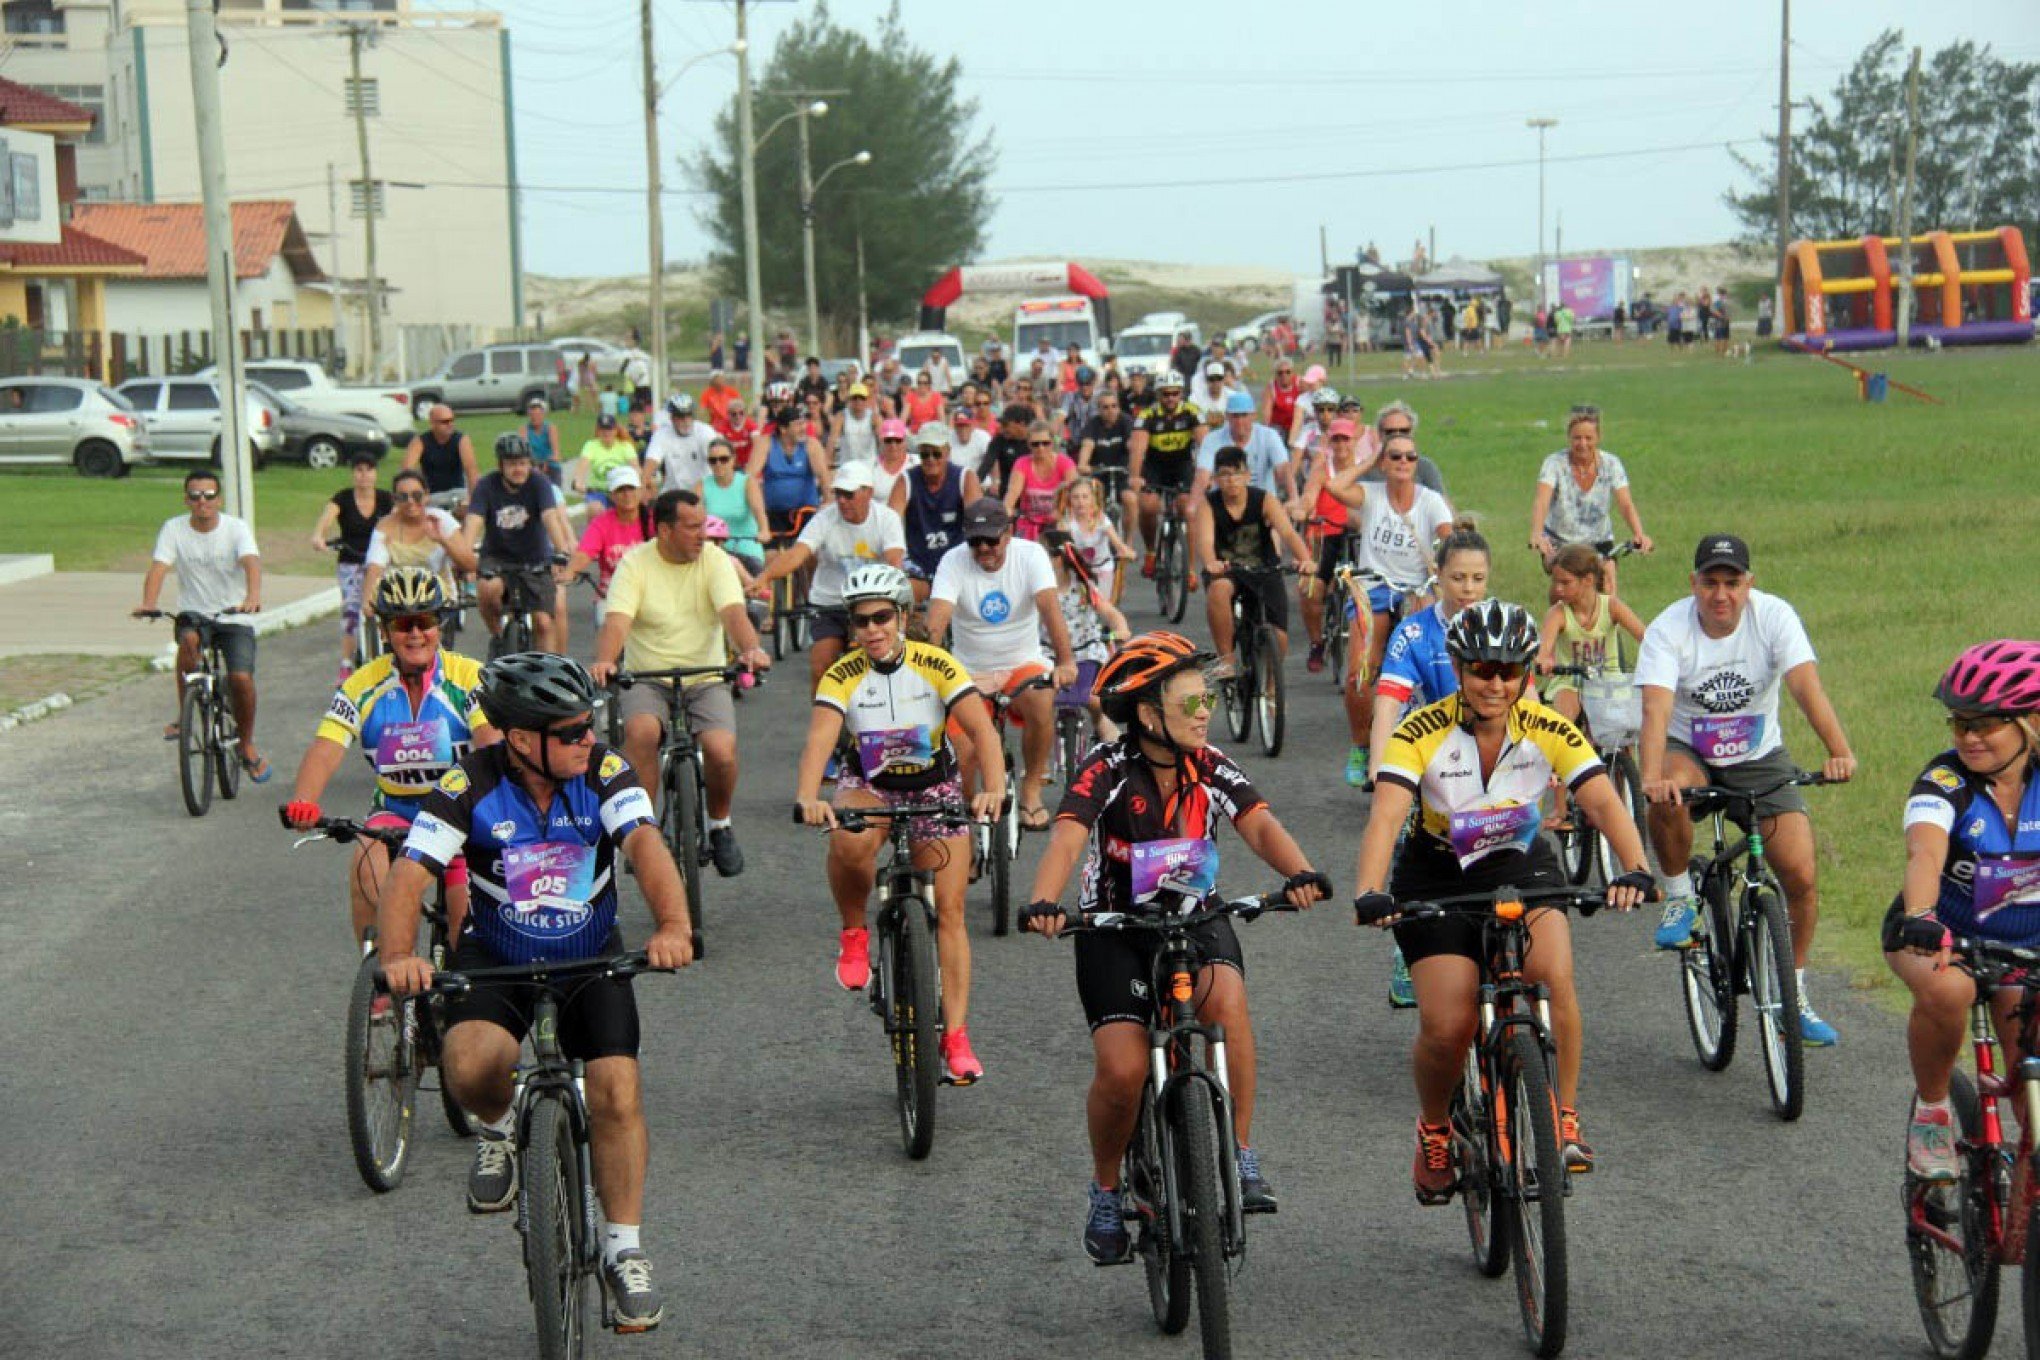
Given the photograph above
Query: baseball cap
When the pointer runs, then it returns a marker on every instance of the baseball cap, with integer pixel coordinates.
(1344, 429)
(893, 429)
(1238, 404)
(859, 390)
(932, 436)
(1722, 550)
(1314, 374)
(1214, 369)
(605, 422)
(984, 517)
(622, 475)
(853, 477)
(961, 414)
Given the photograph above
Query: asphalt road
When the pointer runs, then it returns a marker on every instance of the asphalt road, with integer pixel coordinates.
(179, 1182)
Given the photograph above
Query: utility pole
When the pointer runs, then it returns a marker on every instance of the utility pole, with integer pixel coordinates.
(753, 290)
(656, 228)
(1324, 257)
(807, 236)
(1542, 125)
(1905, 246)
(359, 35)
(238, 473)
(333, 245)
(1784, 153)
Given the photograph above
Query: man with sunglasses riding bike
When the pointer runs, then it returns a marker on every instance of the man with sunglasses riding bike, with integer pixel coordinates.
(1476, 765)
(1152, 798)
(1162, 456)
(540, 816)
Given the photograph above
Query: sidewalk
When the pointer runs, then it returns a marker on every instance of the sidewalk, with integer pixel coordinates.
(87, 611)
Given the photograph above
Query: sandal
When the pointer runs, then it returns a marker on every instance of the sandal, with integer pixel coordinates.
(172, 732)
(1034, 818)
(257, 769)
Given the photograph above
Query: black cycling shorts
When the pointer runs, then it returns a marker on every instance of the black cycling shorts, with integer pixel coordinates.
(1426, 871)
(1115, 970)
(1169, 474)
(598, 1016)
(1333, 549)
(1262, 590)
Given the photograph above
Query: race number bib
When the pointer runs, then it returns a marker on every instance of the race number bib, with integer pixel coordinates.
(1479, 832)
(906, 750)
(547, 887)
(414, 751)
(2006, 881)
(1192, 861)
(1727, 739)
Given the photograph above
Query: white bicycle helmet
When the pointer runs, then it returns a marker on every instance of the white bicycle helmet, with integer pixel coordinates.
(878, 581)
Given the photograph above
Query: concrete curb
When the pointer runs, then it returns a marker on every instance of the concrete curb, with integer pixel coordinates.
(25, 567)
(28, 713)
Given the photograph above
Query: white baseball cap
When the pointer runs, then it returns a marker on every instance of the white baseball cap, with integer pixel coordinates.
(853, 477)
(622, 475)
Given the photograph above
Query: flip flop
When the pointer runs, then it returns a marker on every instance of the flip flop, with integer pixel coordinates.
(257, 769)
(1028, 816)
(172, 732)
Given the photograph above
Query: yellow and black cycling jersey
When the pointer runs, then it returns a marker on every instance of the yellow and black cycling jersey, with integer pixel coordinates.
(1437, 758)
(896, 716)
(409, 749)
(1171, 434)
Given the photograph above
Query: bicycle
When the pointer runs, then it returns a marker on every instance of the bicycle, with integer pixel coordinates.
(995, 845)
(1958, 1236)
(1513, 1187)
(1172, 555)
(388, 1052)
(527, 591)
(556, 1204)
(1113, 482)
(1181, 1170)
(1354, 585)
(1073, 735)
(1743, 944)
(683, 781)
(791, 616)
(906, 976)
(1253, 694)
(1611, 714)
(208, 734)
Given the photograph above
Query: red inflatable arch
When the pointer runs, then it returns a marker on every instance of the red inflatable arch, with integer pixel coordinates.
(1065, 277)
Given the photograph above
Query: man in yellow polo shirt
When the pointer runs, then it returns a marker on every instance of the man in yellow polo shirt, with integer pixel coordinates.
(677, 602)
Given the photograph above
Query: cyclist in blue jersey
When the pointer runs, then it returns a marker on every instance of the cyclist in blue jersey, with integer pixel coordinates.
(540, 816)
(1972, 841)
(787, 461)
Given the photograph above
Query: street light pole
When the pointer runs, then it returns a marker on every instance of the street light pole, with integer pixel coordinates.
(753, 291)
(1542, 125)
(808, 186)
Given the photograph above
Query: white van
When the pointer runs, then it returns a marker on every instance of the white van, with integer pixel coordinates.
(1144, 348)
(1062, 321)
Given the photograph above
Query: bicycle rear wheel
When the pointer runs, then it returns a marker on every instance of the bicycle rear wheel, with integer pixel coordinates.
(1203, 1213)
(1488, 1213)
(1707, 973)
(1070, 741)
(1268, 692)
(1629, 784)
(382, 1080)
(1168, 1270)
(1774, 991)
(549, 1170)
(194, 759)
(1579, 850)
(915, 1026)
(1236, 697)
(1947, 1241)
(1172, 574)
(456, 1117)
(1536, 1190)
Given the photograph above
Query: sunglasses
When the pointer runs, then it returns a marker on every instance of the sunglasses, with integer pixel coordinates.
(412, 623)
(1986, 726)
(983, 543)
(844, 495)
(877, 618)
(1387, 430)
(1190, 705)
(933, 455)
(1041, 443)
(720, 462)
(1398, 458)
(411, 497)
(574, 733)
(892, 441)
(196, 496)
(1495, 670)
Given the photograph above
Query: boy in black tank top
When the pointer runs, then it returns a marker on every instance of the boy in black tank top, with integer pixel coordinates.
(1235, 532)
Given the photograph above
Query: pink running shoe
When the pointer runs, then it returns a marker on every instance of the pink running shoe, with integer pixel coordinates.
(853, 960)
(960, 1066)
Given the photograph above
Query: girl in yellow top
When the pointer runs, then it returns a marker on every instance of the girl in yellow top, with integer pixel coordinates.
(1580, 629)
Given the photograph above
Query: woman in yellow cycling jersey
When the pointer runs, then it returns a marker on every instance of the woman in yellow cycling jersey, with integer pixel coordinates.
(1477, 764)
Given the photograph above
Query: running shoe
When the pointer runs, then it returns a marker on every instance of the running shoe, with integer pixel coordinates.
(492, 1180)
(1106, 1240)
(1147, 566)
(631, 1292)
(1579, 1153)
(1814, 1031)
(1930, 1144)
(1675, 927)
(1315, 662)
(1402, 990)
(960, 1066)
(1356, 767)
(1435, 1178)
(724, 850)
(1256, 1195)
(853, 960)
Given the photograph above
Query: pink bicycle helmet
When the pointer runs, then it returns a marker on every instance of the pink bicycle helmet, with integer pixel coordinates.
(715, 528)
(1994, 677)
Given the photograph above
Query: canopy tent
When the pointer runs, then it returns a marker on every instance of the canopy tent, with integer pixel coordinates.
(1459, 276)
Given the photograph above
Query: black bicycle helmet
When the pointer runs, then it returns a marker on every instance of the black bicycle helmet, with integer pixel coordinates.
(410, 590)
(511, 446)
(533, 690)
(1492, 630)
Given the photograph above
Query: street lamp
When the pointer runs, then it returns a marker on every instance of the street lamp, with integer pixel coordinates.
(654, 218)
(754, 293)
(807, 228)
(1542, 125)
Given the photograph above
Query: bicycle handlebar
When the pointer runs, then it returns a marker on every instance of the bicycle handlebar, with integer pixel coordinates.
(452, 984)
(859, 819)
(190, 613)
(1496, 903)
(1246, 908)
(625, 679)
(344, 831)
(1706, 794)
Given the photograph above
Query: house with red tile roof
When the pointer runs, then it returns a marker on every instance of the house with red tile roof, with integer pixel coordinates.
(278, 285)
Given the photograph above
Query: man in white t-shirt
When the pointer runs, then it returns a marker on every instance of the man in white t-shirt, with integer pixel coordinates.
(218, 568)
(676, 459)
(852, 529)
(993, 596)
(1709, 670)
(967, 443)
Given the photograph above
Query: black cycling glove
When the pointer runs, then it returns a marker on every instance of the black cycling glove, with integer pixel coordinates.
(1036, 910)
(1915, 932)
(1373, 907)
(1639, 879)
(1307, 878)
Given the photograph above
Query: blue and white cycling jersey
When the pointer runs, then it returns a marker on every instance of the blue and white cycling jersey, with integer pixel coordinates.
(1415, 669)
(1990, 880)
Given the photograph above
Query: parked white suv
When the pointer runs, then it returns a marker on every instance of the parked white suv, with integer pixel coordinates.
(69, 420)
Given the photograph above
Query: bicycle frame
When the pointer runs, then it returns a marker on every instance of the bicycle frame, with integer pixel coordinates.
(1173, 1065)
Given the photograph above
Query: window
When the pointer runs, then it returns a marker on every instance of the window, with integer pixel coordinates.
(509, 361)
(468, 365)
(282, 379)
(363, 95)
(142, 396)
(358, 197)
(193, 397)
(92, 97)
(44, 397)
(33, 16)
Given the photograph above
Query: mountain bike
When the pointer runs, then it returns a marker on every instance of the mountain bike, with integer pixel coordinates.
(527, 591)
(791, 617)
(995, 845)
(906, 976)
(1253, 695)
(1172, 555)
(1073, 734)
(1113, 482)
(1181, 1171)
(391, 1044)
(1513, 1179)
(208, 734)
(1958, 1236)
(683, 781)
(556, 1204)
(1350, 601)
(1611, 714)
(1742, 943)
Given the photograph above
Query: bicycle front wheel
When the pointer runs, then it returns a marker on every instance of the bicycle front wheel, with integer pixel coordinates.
(915, 1023)
(1707, 973)
(1236, 697)
(226, 744)
(1203, 1212)
(1268, 693)
(1168, 1270)
(1069, 726)
(1536, 1174)
(194, 754)
(1172, 576)
(549, 1170)
(683, 833)
(1948, 1244)
(1774, 991)
(1488, 1214)
(382, 1080)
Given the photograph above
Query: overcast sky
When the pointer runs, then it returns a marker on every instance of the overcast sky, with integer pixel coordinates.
(1382, 122)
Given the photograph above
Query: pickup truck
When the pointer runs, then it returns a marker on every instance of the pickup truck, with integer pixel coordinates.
(309, 385)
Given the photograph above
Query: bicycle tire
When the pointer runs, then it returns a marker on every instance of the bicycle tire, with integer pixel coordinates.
(382, 1082)
(1335, 636)
(1774, 991)
(683, 807)
(1237, 699)
(999, 866)
(1203, 1212)
(456, 1118)
(1956, 1332)
(1174, 573)
(1707, 974)
(194, 760)
(1537, 1193)
(1069, 726)
(1629, 784)
(915, 1023)
(226, 746)
(1488, 1215)
(1578, 850)
(549, 1184)
(1167, 1270)
(1270, 696)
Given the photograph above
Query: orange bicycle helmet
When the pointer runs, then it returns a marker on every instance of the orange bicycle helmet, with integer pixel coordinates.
(1141, 667)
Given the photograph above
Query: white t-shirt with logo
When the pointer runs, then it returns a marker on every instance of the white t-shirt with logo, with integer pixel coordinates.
(839, 545)
(1399, 547)
(1724, 690)
(682, 459)
(209, 575)
(996, 626)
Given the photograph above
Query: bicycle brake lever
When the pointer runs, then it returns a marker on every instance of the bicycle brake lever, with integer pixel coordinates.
(302, 841)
